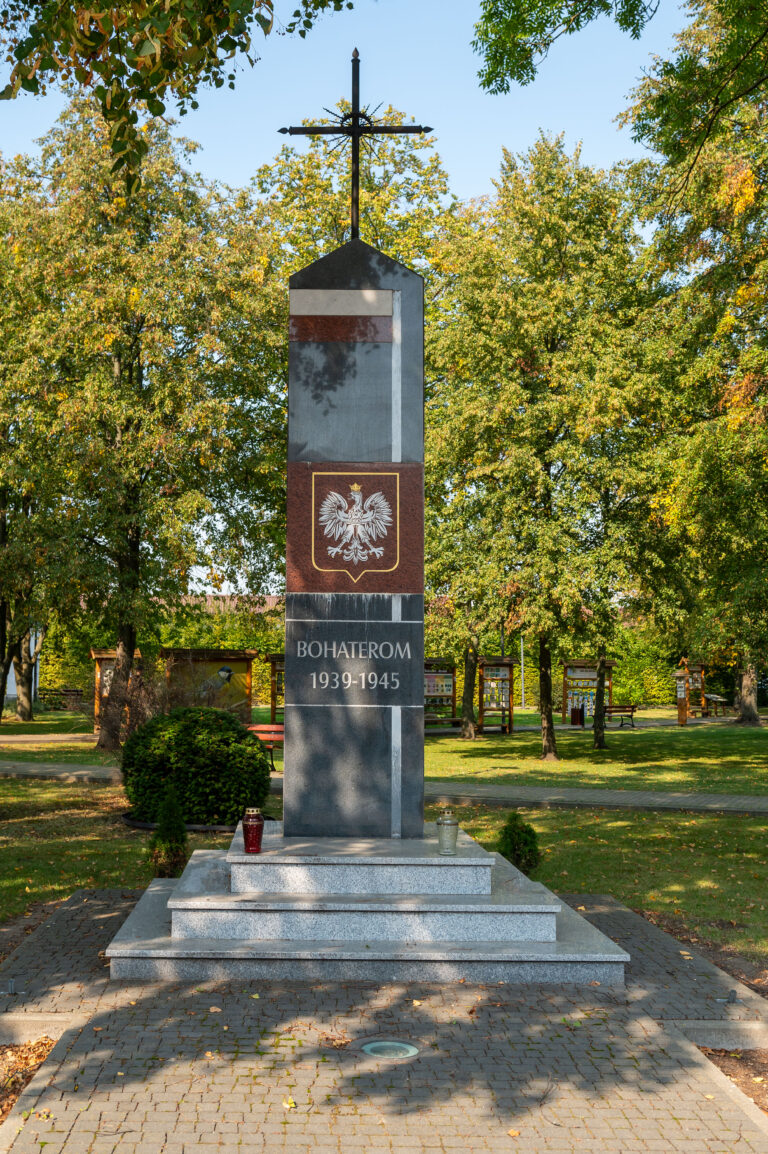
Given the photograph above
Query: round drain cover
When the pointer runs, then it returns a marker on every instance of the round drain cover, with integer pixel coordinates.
(387, 1049)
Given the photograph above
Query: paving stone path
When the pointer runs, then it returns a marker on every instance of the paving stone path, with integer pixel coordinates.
(189, 1068)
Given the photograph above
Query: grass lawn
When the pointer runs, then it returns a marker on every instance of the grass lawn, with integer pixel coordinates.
(59, 752)
(707, 870)
(53, 721)
(56, 838)
(717, 758)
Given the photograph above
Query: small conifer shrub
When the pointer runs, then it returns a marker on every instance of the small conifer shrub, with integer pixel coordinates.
(216, 766)
(168, 849)
(519, 844)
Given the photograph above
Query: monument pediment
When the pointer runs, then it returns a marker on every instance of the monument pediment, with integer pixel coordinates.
(354, 265)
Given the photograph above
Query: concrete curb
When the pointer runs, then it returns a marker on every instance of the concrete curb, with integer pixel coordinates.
(715, 1074)
(65, 1029)
(719, 1035)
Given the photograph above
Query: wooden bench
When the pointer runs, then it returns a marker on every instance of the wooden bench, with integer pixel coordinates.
(717, 702)
(621, 711)
(69, 699)
(441, 719)
(270, 736)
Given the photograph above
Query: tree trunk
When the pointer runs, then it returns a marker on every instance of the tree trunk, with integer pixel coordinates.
(599, 719)
(548, 740)
(748, 714)
(8, 651)
(24, 662)
(468, 723)
(112, 711)
(4, 670)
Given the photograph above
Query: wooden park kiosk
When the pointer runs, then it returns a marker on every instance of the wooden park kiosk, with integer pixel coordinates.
(439, 691)
(691, 699)
(105, 667)
(216, 678)
(495, 691)
(580, 689)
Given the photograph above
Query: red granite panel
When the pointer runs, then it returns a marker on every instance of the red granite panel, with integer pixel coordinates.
(355, 528)
(321, 328)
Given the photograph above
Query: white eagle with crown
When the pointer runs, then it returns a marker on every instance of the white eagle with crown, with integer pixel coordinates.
(355, 525)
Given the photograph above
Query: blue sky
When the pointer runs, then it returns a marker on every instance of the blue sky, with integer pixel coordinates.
(415, 55)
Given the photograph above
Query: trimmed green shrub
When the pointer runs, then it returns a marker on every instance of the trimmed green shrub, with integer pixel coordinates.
(168, 848)
(519, 844)
(215, 765)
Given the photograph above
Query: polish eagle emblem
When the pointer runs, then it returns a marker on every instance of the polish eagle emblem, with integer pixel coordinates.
(355, 524)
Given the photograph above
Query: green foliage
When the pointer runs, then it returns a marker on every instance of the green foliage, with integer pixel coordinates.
(644, 673)
(712, 237)
(135, 57)
(514, 36)
(404, 197)
(134, 359)
(543, 407)
(697, 98)
(220, 622)
(518, 843)
(215, 765)
(168, 848)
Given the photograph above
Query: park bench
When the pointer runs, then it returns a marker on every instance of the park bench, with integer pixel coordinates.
(270, 736)
(69, 699)
(717, 702)
(621, 711)
(440, 719)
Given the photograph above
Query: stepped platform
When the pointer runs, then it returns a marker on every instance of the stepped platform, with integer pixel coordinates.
(339, 909)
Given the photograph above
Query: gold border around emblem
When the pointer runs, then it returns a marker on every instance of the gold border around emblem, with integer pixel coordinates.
(356, 473)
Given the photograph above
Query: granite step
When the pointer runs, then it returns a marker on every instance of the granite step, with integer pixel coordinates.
(359, 866)
(143, 948)
(204, 906)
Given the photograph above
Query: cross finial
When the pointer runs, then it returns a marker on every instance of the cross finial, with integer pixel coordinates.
(356, 124)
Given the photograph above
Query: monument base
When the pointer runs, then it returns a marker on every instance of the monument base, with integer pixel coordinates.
(341, 909)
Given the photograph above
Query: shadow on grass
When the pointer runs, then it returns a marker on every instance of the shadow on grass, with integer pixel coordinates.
(710, 758)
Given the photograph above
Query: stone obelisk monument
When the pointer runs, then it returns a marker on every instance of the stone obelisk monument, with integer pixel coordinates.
(354, 648)
(351, 886)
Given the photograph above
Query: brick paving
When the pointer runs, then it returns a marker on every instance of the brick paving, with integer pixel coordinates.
(210, 1066)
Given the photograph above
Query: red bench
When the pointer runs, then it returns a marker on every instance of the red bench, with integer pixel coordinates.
(270, 736)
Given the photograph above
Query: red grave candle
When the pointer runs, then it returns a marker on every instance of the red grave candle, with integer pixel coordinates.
(253, 828)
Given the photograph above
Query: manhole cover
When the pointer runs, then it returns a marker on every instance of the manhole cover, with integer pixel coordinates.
(386, 1049)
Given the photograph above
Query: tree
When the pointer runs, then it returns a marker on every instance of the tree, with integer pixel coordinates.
(542, 409)
(404, 197)
(697, 98)
(158, 377)
(722, 59)
(39, 567)
(514, 38)
(713, 237)
(135, 57)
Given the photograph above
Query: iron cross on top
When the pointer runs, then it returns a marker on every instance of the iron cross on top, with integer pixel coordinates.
(355, 124)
